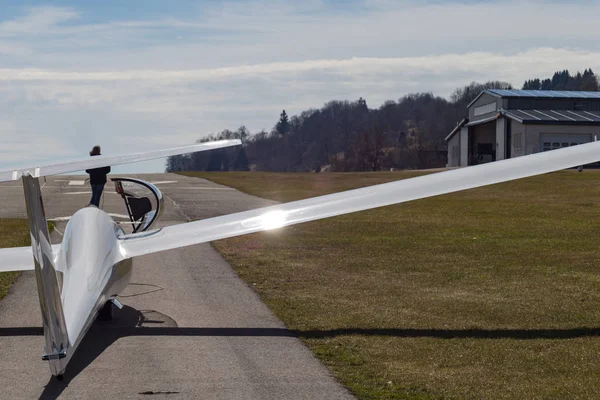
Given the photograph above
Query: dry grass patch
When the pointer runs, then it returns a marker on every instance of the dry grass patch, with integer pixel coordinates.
(489, 293)
(13, 233)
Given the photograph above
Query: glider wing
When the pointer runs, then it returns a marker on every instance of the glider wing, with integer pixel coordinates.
(357, 200)
(103, 161)
(18, 258)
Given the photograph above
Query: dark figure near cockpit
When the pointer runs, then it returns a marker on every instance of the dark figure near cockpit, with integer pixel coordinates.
(97, 178)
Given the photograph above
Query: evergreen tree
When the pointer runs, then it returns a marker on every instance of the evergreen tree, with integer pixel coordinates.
(589, 81)
(547, 84)
(532, 84)
(563, 80)
(283, 125)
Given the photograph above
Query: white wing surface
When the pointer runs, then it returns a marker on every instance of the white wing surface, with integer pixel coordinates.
(357, 200)
(103, 161)
(18, 258)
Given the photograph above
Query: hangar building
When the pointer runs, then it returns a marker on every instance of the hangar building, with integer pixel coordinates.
(511, 123)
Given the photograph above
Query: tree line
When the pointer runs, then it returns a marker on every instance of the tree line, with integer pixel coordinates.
(563, 80)
(349, 136)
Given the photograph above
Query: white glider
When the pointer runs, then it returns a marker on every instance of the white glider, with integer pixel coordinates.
(94, 259)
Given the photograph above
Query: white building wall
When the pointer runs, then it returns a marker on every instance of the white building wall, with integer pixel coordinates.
(464, 146)
(484, 103)
(533, 132)
(517, 139)
(454, 151)
(525, 139)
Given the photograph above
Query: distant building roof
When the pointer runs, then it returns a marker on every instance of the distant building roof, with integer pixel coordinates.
(545, 117)
(554, 117)
(537, 94)
(554, 94)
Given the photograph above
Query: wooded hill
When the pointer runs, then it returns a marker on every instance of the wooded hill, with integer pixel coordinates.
(349, 136)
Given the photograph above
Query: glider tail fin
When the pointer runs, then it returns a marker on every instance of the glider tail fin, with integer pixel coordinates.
(55, 329)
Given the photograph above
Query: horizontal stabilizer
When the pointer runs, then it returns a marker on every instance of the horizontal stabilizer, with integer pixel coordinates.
(104, 161)
(19, 258)
(357, 200)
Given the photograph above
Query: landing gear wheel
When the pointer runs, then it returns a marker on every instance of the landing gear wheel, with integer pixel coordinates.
(105, 313)
(59, 377)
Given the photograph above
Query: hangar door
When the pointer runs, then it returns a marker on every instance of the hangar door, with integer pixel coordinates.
(551, 141)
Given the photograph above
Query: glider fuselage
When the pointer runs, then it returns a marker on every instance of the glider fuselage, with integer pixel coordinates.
(91, 270)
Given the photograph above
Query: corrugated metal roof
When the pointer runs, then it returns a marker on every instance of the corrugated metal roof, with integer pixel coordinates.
(554, 94)
(483, 120)
(563, 117)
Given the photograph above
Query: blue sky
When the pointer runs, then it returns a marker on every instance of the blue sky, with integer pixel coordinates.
(140, 75)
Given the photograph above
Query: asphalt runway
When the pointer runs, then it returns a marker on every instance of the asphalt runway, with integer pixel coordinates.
(190, 327)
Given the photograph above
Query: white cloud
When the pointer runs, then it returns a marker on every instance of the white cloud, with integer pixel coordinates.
(257, 32)
(227, 83)
(36, 21)
(11, 49)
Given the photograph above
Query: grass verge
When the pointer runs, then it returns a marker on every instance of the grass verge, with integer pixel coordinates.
(488, 293)
(13, 233)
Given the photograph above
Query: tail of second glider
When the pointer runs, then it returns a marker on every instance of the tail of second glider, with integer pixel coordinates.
(55, 330)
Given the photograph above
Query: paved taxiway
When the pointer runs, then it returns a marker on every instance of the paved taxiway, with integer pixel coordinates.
(190, 327)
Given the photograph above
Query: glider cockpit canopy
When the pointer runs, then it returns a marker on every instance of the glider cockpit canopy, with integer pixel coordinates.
(143, 212)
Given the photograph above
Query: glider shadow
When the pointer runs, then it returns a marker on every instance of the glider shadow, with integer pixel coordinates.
(131, 322)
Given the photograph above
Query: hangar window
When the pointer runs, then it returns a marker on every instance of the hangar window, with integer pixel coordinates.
(555, 145)
(547, 146)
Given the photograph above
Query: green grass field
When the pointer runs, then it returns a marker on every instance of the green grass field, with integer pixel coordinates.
(13, 233)
(490, 293)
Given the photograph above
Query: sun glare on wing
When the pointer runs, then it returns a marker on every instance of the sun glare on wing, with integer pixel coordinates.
(273, 220)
